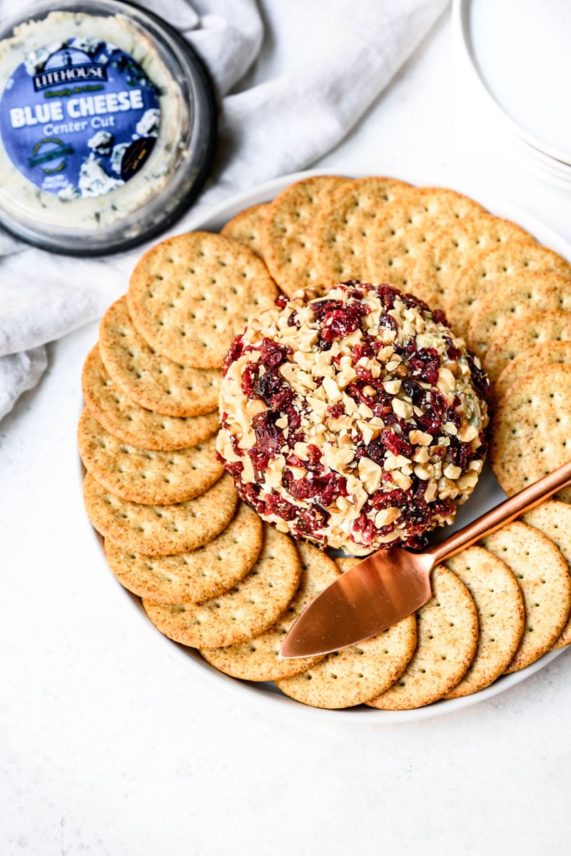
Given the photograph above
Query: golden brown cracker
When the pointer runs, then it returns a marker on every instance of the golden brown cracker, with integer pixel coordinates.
(530, 360)
(534, 328)
(447, 643)
(494, 269)
(344, 227)
(289, 241)
(345, 678)
(160, 530)
(259, 659)
(130, 422)
(543, 575)
(553, 518)
(528, 292)
(146, 476)
(501, 616)
(247, 228)
(400, 246)
(189, 296)
(461, 241)
(531, 429)
(152, 380)
(197, 575)
(245, 611)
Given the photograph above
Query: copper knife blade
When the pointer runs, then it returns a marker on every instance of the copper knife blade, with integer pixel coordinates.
(391, 584)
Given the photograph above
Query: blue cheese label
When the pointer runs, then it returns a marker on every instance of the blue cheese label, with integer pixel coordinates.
(79, 118)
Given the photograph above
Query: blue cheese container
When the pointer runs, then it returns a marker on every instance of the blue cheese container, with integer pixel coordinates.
(107, 125)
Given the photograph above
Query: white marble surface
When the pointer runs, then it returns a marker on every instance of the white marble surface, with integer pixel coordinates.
(109, 746)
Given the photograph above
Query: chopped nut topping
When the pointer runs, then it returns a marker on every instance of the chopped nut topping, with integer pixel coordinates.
(353, 417)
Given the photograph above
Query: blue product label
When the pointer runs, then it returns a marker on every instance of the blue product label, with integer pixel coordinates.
(79, 118)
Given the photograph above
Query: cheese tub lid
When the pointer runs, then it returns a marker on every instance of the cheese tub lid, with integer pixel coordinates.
(107, 125)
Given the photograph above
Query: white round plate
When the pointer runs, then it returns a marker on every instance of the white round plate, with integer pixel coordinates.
(518, 52)
(486, 495)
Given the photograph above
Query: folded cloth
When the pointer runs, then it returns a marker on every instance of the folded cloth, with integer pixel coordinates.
(268, 128)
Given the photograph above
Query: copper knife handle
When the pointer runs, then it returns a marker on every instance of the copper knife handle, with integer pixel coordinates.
(503, 513)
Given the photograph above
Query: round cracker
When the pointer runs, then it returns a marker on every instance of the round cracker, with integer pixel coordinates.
(134, 424)
(543, 575)
(553, 518)
(351, 676)
(529, 292)
(492, 270)
(147, 377)
(345, 225)
(289, 240)
(160, 530)
(535, 328)
(447, 643)
(399, 250)
(501, 616)
(537, 357)
(404, 262)
(531, 430)
(193, 576)
(247, 228)
(190, 295)
(461, 241)
(143, 475)
(259, 658)
(246, 610)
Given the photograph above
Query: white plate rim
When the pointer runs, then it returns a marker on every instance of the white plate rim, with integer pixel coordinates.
(213, 219)
(539, 147)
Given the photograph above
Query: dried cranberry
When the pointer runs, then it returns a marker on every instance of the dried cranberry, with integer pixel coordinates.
(309, 520)
(324, 488)
(443, 507)
(274, 391)
(272, 354)
(453, 416)
(395, 443)
(236, 349)
(354, 288)
(338, 318)
(234, 468)
(292, 320)
(416, 542)
(479, 378)
(282, 301)
(388, 295)
(440, 318)
(383, 407)
(388, 499)
(389, 322)
(249, 380)
(452, 351)
(336, 410)
(364, 374)
(412, 302)
(459, 453)
(314, 456)
(276, 504)
(364, 528)
(364, 349)
(425, 365)
(269, 440)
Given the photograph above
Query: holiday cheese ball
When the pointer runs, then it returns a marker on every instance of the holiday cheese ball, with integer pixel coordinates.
(352, 417)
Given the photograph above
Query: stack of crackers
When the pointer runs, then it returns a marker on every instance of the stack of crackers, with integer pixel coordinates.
(210, 574)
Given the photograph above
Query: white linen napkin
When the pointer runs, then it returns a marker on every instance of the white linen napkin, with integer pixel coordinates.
(266, 129)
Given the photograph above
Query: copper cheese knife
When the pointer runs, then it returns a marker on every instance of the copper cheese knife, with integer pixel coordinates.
(391, 584)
